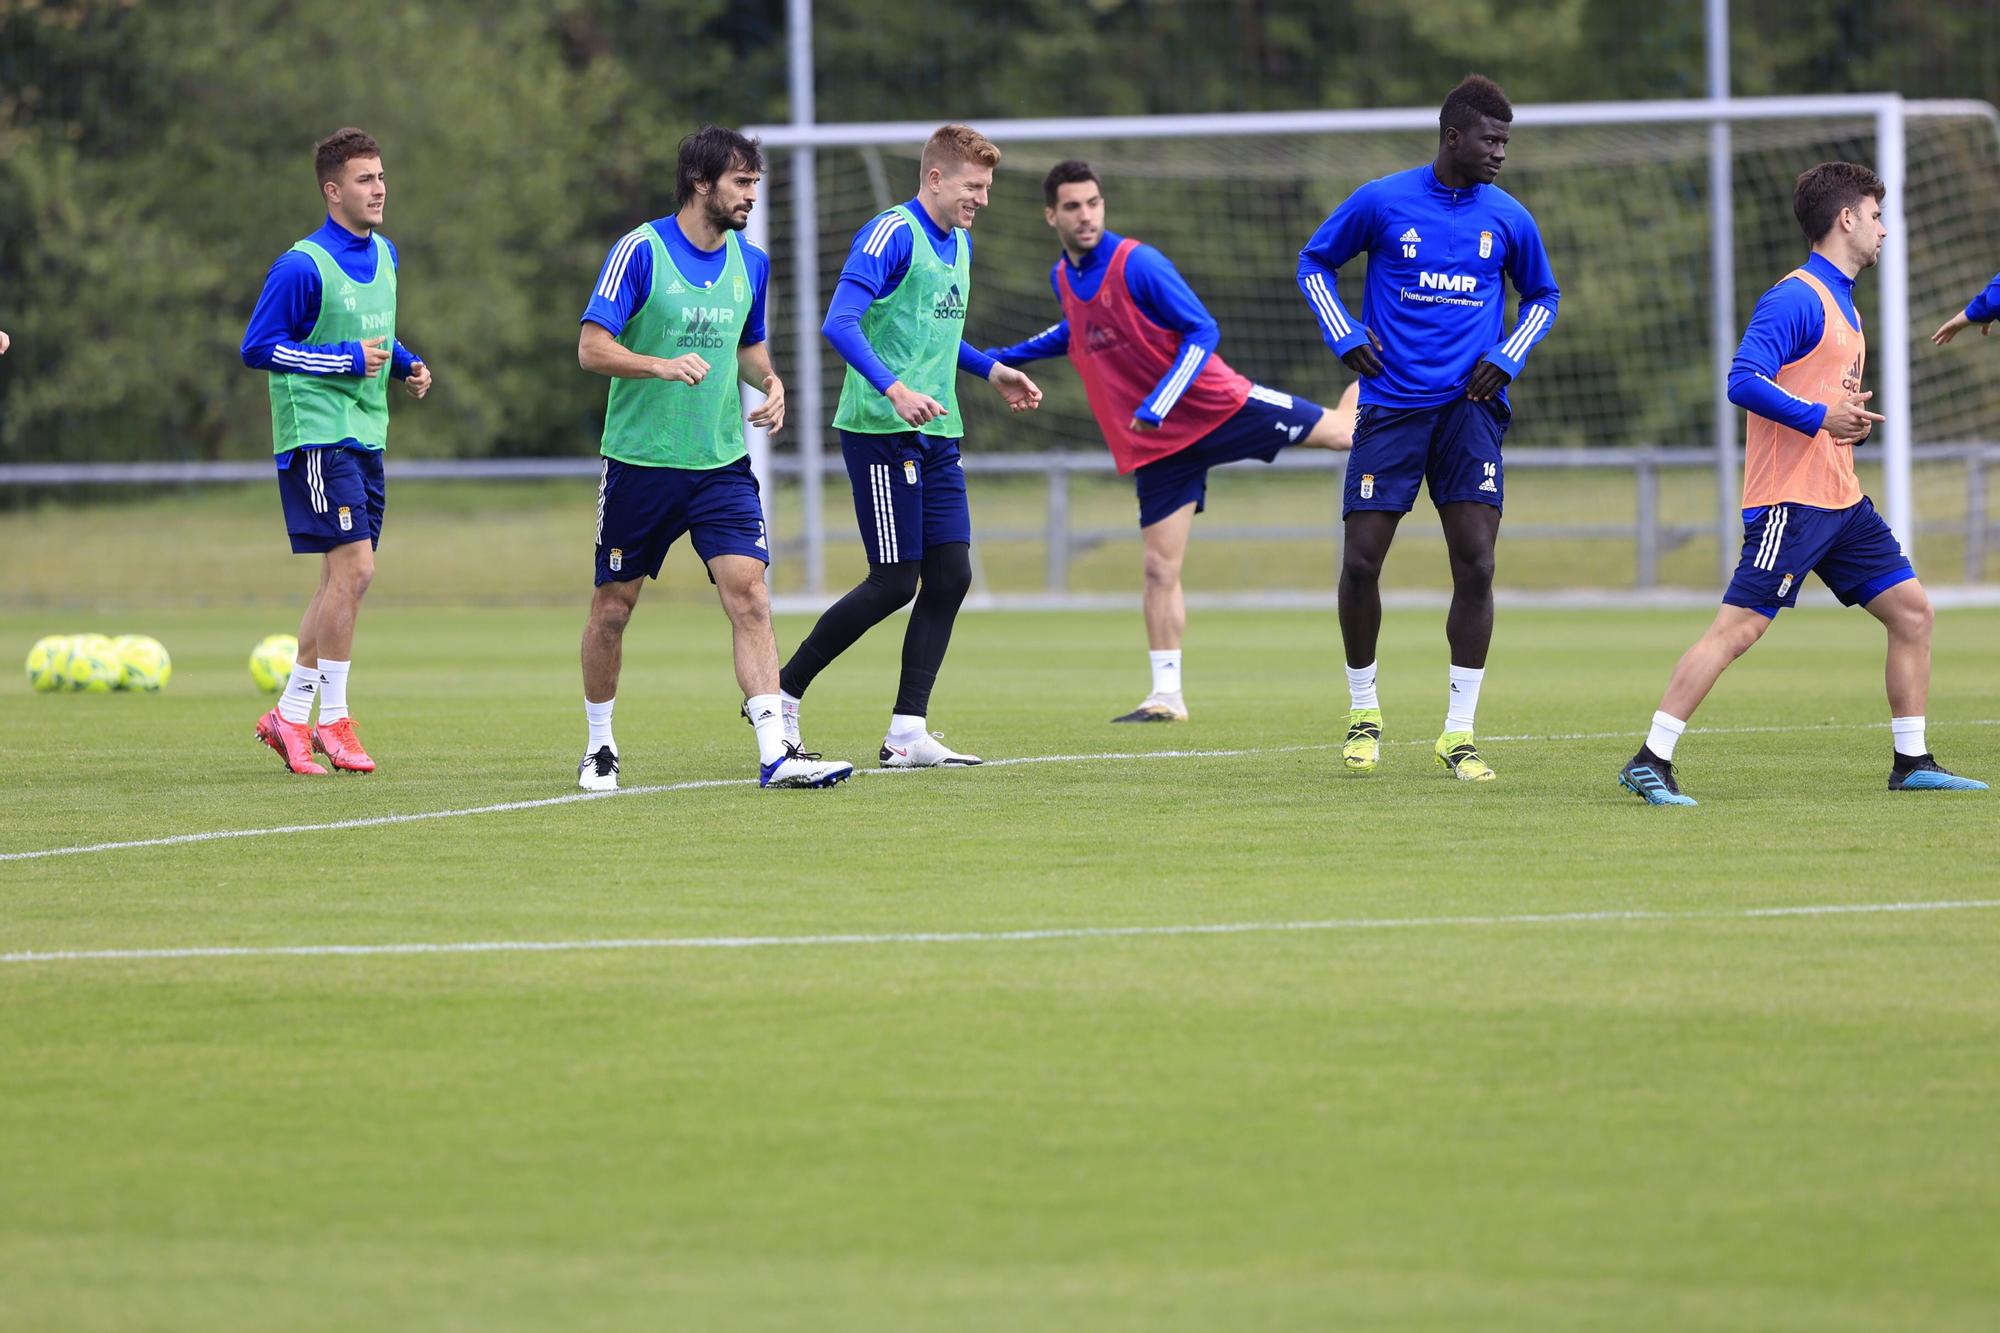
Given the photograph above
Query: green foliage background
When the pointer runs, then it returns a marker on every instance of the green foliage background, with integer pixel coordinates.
(154, 158)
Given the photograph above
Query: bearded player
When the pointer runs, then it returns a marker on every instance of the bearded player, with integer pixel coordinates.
(1170, 408)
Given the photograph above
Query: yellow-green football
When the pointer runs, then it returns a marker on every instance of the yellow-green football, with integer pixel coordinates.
(271, 662)
(92, 669)
(47, 661)
(143, 663)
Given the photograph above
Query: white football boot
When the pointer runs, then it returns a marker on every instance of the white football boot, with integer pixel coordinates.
(1158, 708)
(599, 771)
(927, 751)
(803, 768)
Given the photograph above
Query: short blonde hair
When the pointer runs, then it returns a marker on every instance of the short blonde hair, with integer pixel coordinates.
(955, 145)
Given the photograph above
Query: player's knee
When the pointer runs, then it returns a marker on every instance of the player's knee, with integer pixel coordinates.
(357, 571)
(947, 572)
(609, 615)
(745, 599)
(1473, 572)
(1162, 571)
(894, 585)
(1916, 618)
(1362, 567)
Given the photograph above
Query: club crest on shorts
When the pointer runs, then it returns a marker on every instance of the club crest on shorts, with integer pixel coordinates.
(1784, 585)
(1368, 485)
(1486, 245)
(910, 471)
(616, 560)
(346, 519)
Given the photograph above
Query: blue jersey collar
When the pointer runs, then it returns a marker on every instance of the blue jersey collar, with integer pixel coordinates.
(334, 238)
(1100, 255)
(916, 207)
(1829, 273)
(1437, 189)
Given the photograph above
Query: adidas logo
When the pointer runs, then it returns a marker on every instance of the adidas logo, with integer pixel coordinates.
(1488, 485)
(674, 288)
(1410, 237)
(950, 306)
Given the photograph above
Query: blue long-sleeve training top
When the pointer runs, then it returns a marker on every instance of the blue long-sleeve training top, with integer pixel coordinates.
(626, 278)
(1985, 307)
(1433, 294)
(1162, 295)
(288, 307)
(875, 267)
(1787, 323)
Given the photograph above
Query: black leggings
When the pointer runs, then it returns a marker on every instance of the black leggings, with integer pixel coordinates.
(939, 583)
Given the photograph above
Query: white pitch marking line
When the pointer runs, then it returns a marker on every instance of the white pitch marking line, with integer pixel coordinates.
(985, 936)
(504, 807)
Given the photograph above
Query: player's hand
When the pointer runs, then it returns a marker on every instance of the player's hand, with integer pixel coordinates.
(1848, 420)
(1139, 424)
(1022, 394)
(1950, 329)
(916, 409)
(1859, 438)
(689, 369)
(374, 355)
(1365, 360)
(770, 415)
(1486, 382)
(418, 383)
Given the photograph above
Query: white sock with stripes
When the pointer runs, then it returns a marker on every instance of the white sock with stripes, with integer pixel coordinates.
(332, 689)
(296, 703)
(1464, 699)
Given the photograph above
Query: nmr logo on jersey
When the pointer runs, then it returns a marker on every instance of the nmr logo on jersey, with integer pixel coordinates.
(949, 306)
(1448, 282)
(705, 326)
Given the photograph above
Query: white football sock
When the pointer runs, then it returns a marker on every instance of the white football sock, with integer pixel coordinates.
(599, 718)
(1166, 670)
(332, 689)
(767, 715)
(1464, 701)
(296, 703)
(1361, 687)
(1665, 735)
(903, 729)
(1908, 733)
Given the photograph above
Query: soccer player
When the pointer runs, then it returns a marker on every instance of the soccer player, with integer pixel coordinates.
(325, 330)
(1435, 368)
(898, 319)
(1982, 310)
(672, 294)
(1797, 373)
(1170, 408)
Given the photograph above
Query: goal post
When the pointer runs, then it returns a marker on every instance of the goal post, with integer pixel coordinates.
(1623, 192)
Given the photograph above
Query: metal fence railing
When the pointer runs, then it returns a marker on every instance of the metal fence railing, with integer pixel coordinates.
(1651, 534)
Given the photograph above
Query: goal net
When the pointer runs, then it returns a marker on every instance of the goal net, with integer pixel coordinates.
(1624, 209)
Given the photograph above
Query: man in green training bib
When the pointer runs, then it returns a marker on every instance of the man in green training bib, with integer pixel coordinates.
(325, 331)
(675, 296)
(898, 319)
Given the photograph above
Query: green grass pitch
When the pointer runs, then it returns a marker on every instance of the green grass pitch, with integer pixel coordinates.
(1575, 1085)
